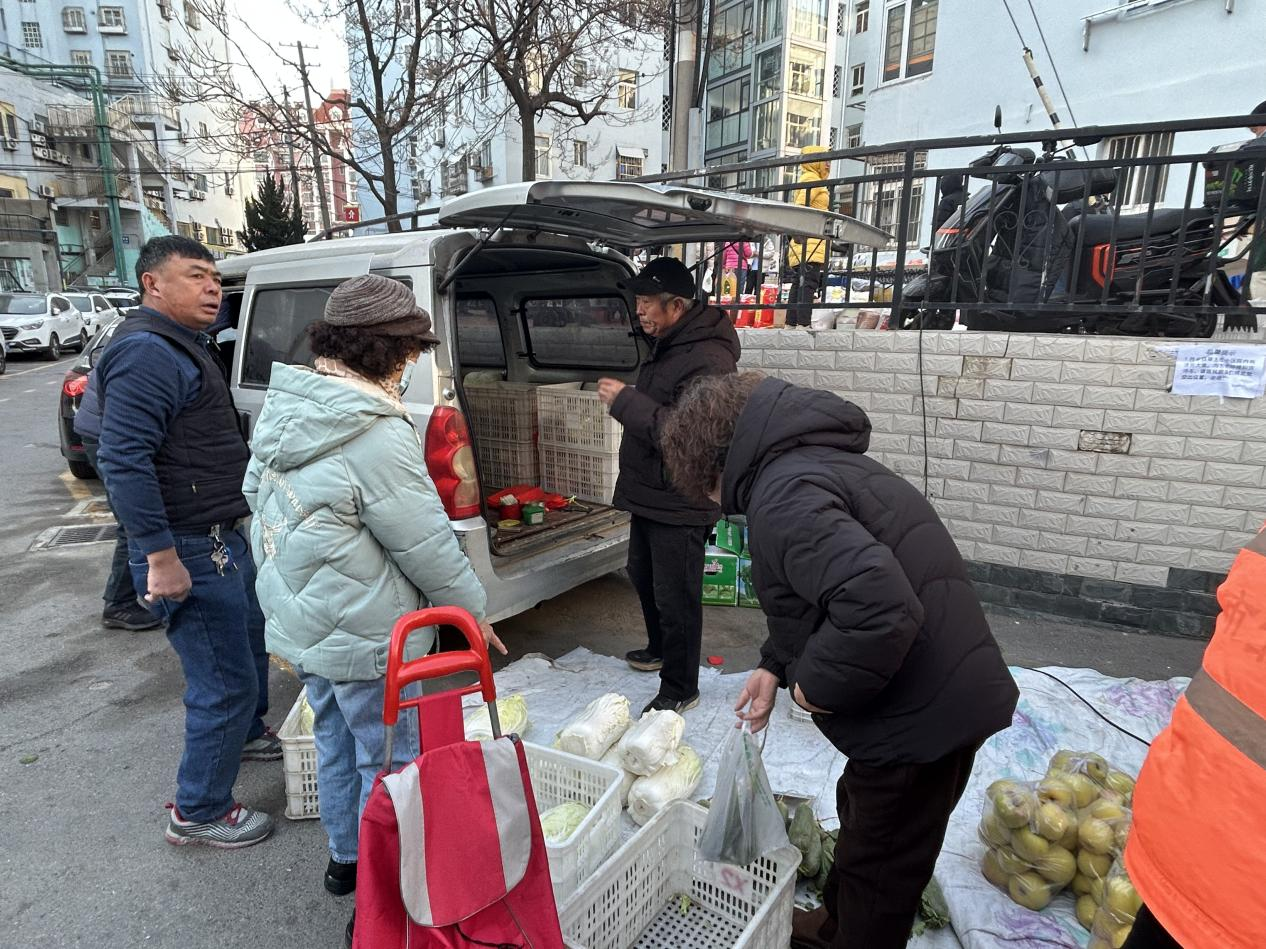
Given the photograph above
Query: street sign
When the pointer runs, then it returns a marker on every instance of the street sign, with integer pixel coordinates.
(351, 213)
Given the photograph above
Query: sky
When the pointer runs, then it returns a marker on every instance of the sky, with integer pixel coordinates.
(272, 20)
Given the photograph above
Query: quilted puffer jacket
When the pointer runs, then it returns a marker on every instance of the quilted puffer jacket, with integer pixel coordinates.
(348, 530)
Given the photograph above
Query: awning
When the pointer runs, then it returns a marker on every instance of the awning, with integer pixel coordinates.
(630, 151)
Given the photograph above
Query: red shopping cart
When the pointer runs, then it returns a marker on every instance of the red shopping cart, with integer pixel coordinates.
(451, 850)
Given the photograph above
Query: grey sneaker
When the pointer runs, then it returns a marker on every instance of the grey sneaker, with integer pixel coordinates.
(267, 747)
(238, 828)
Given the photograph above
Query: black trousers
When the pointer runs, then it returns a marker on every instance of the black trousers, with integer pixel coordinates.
(892, 825)
(666, 567)
(119, 592)
(1148, 933)
(806, 281)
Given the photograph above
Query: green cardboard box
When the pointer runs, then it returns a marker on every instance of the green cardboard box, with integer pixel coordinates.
(746, 590)
(730, 537)
(720, 577)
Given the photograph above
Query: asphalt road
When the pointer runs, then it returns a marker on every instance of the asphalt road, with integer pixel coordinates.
(91, 726)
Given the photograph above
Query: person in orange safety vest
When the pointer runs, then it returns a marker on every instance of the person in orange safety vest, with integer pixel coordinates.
(1197, 848)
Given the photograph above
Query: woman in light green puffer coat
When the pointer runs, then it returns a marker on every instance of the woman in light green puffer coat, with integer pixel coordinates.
(349, 534)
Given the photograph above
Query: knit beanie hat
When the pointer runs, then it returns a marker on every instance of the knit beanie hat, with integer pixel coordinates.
(380, 305)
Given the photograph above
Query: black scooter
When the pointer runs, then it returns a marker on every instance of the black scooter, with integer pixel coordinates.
(1042, 237)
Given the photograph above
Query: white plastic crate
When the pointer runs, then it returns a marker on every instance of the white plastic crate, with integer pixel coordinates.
(559, 777)
(298, 763)
(571, 417)
(634, 901)
(503, 411)
(589, 475)
(502, 464)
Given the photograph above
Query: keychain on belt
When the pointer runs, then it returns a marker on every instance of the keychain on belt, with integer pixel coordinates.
(221, 556)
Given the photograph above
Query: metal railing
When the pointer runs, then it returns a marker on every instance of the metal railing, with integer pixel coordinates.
(1041, 235)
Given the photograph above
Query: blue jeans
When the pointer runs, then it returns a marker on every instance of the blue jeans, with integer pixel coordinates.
(218, 633)
(349, 735)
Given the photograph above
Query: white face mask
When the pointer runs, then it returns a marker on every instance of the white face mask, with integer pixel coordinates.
(405, 375)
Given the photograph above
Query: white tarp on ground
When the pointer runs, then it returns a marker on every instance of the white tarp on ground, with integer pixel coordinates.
(800, 761)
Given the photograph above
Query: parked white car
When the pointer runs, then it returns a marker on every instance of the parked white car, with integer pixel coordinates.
(96, 309)
(46, 323)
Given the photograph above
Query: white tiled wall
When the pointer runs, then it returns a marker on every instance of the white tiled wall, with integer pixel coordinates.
(1002, 416)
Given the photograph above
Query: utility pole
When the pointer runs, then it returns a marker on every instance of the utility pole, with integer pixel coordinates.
(317, 164)
(684, 79)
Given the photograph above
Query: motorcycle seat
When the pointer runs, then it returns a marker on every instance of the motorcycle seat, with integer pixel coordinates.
(1097, 228)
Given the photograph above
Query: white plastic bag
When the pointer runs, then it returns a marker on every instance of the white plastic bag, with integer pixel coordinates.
(743, 821)
(651, 742)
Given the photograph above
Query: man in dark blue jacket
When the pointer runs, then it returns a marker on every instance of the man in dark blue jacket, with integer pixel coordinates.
(173, 457)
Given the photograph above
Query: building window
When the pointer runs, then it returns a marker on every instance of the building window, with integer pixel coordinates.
(80, 57)
(771, 20)
(580, 71)
(809, 20)
(1143, 184)
(768, 117)
(192, 19)
(118, 64)
(861, 17)
(542, 156)
(841, 18)
(164, 9)
(881, 200)
(914, 35)
(626, 89)
(806, 72)
(110, 20)
(74, 21)
(31, 36)
(804, 123)
(731, 40)
(203, 133)
(666, 114)
(628, 163)
(833, 138)
(837, 82)
(857, 81)
(580, 154)
(9, 125)
(769, 73)
(854, 137)
(728, 109)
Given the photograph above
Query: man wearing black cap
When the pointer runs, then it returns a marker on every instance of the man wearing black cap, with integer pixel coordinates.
(668, 531)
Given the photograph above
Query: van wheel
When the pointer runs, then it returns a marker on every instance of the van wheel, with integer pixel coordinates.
(54, 351)
(82, 470)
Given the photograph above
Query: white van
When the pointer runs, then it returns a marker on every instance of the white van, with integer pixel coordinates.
(494, 274)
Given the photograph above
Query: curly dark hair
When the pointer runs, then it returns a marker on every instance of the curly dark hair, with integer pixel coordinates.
(697, 435)
(373, 355)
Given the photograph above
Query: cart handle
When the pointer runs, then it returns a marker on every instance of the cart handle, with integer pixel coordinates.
(437, 666)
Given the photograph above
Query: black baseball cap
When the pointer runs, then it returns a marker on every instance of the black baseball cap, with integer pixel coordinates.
(662, 275)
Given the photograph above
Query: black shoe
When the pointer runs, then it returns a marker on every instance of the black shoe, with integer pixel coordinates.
(350, 933)
(662, 704)
(340, 878)
(129, 616)
(643, 660)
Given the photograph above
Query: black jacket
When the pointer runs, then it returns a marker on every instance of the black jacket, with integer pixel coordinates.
(869, 605)
(703, 343)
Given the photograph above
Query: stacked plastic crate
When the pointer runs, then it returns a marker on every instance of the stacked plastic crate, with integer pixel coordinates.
(579, 443)
(503, 417)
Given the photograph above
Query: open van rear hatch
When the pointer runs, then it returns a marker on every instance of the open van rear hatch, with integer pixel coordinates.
(632, 214)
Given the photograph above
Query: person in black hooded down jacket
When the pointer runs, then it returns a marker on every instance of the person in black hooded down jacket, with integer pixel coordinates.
(873, 626)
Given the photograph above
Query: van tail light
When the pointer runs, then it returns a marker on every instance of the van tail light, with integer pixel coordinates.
(450, 460)
(74, 384)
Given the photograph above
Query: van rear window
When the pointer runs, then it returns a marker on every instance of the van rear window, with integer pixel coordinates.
(479, 332)
(277, 331)
(580, 332)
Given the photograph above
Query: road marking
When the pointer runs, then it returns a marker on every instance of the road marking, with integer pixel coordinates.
(78, 490)
(23, 372)
(25, 391)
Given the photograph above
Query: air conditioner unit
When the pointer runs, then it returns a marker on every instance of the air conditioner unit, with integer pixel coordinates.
(46, 191)
(228, 190)
(197, 232)
(12, 145)
(38, 127)
(39, 151)
(197, 195)
(439, 140)
(485, 173)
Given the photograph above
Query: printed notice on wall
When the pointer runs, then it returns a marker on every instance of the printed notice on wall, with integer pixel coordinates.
(1235, 372)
